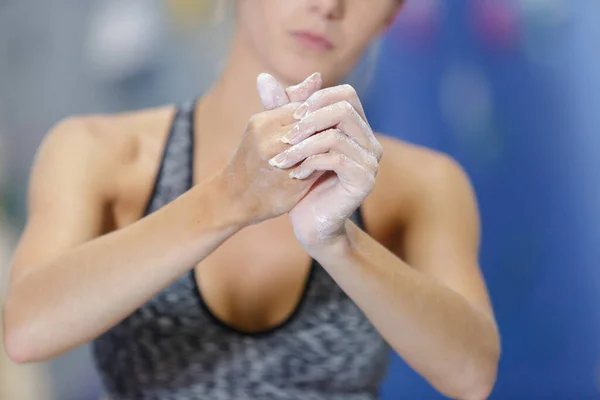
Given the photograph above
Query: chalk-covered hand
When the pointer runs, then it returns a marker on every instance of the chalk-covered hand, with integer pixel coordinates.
(261, 190)
(334, 142)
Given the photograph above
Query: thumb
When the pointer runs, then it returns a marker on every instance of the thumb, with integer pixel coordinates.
(272, 95)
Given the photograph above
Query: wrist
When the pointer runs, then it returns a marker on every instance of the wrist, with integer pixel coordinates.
(338, 245)
(228, 208)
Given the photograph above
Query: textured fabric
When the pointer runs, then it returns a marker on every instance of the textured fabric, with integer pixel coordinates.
(174, 348)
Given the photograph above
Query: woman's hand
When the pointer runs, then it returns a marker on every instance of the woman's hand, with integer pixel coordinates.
(262, 190)
(335, 151)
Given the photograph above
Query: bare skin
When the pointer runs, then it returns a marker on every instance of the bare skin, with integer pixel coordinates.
(87, 258)
(129, 147)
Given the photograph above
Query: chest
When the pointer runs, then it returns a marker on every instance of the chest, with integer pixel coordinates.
(255, 280)
(329, 349)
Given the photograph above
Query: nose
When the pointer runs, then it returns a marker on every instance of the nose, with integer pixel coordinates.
(328, 9)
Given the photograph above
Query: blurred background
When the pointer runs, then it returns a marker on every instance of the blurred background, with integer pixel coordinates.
(511, 88)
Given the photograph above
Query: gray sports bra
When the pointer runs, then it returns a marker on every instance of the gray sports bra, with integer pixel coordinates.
(174, 348)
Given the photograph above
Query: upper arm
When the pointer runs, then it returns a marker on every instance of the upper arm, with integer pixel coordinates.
(442, 235)
(66, 197)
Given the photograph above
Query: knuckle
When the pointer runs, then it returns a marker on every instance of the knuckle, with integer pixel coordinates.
(349, 90)
(347, 107)
(371, 178)
(334, 136)
(374, 165)
(328, 137)
(265, 150)
(340, 136)
(344, 109)
(378, 151)
(255, 123)
(339, 159)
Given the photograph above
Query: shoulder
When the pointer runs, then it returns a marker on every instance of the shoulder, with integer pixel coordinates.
(106, 134)
(422, 177)
(98, 145)
(428, 167)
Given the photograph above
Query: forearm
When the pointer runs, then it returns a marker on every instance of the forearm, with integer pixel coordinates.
(434, 329)
(79, 295)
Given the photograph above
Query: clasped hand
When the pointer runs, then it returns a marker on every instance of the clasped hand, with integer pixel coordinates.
(310, 154)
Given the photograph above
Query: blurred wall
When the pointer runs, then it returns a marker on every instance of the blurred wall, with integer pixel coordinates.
(512, 93)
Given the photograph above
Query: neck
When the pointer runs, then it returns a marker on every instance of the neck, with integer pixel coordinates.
(234, 98)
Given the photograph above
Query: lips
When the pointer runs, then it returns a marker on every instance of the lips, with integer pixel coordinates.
(313, 40)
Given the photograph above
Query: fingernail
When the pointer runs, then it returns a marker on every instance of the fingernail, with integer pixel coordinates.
(277, 160)
(289, 137)
(295, 174)
(302, 111)
(316, 75)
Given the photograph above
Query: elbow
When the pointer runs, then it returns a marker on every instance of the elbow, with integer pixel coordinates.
(15, 350)
(477, 381)
(477, 389)
(18, 350)
(19, 345)
(12, 339)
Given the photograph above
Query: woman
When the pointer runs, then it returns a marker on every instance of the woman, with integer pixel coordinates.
(190, 269)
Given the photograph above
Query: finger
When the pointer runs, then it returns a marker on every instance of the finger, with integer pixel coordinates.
(339, 115)
(301, 92)
(331, 140)
(328, 96)
(271, 94)
(355, 178)
(278, 117)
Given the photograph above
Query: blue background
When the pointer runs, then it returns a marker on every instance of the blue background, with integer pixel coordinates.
(533, 165)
